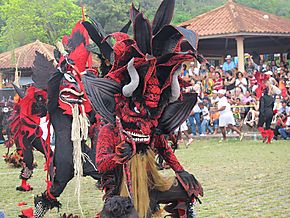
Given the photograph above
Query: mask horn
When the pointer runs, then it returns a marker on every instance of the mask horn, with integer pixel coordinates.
(175, 87)
(132, 86)
(18, 91)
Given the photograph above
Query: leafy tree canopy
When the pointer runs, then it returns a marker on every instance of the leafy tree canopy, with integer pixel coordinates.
(23, 21)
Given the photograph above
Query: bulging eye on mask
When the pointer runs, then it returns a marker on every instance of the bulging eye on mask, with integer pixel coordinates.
(70, 78)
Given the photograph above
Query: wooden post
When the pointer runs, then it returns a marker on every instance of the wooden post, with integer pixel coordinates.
(240, 52)
(1, 80)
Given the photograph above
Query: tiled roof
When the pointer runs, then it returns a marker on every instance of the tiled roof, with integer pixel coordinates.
(233, 18)
(25, 55)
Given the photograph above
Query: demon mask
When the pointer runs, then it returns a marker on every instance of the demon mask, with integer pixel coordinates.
(144, 75)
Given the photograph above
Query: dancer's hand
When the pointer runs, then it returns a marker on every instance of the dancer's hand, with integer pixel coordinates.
(189, 183)
(124, 152)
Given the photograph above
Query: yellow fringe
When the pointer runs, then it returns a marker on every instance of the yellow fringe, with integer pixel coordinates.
(144, 176)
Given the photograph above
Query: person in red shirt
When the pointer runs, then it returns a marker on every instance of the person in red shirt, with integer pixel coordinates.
(218, 82)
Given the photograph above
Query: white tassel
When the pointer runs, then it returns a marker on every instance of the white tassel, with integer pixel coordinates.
(77, 150)
(79, 132)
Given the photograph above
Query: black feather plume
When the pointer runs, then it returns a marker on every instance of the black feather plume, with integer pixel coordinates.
(42, 70)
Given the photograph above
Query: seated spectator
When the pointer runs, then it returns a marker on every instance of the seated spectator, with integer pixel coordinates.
(203, 71)
(284, 108)
(252, 83)
(218, 82)
(215, 98)
(285, 132)
(230, 82)
(273, 66)
(241, 82)
(238, 112)
(207, 84)
(207, 103)
(272, 80)
(184, 73)
(211, 72)
(239, 93)
(280, 122)
(193, 71)
(247, 98)
(252, 117)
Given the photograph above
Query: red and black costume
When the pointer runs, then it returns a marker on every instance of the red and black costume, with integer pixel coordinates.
(68, 108)
(26, 130)
(140, 98)
(266, 115)
(265, 108)
(16, 157)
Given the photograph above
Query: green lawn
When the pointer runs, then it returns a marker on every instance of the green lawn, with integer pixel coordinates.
(240, 179)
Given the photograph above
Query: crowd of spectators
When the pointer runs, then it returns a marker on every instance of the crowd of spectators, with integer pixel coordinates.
(241, 92)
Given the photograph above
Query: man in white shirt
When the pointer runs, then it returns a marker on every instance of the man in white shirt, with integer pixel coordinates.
(206, 118)
(226, 118)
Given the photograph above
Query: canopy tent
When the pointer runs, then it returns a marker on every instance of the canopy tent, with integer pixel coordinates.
(235, 29)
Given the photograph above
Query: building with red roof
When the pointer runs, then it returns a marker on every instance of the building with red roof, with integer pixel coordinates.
(236, 29)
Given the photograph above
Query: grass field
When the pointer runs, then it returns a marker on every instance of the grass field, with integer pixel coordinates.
(240, 179)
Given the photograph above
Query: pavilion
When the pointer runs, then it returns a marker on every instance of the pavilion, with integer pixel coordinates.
(21, 59)
(236, 29)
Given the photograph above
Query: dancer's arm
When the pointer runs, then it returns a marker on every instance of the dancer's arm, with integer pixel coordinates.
(167, 153)
(105, 151)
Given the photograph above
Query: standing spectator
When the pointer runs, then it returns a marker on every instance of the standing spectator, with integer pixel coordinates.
(218, 82)
(251, 66)
(1, 127)
(226, 118)
(228, 64)
(285, 132)
(214, 118)
(266, 116)
(194, 119)
(246, 100)
(205, 120)
(241, 82)
(184, 130)
(239, 113)
(230, 82)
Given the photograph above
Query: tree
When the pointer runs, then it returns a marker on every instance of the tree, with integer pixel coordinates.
(28, 20)
(23, 21)
(111, 14)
